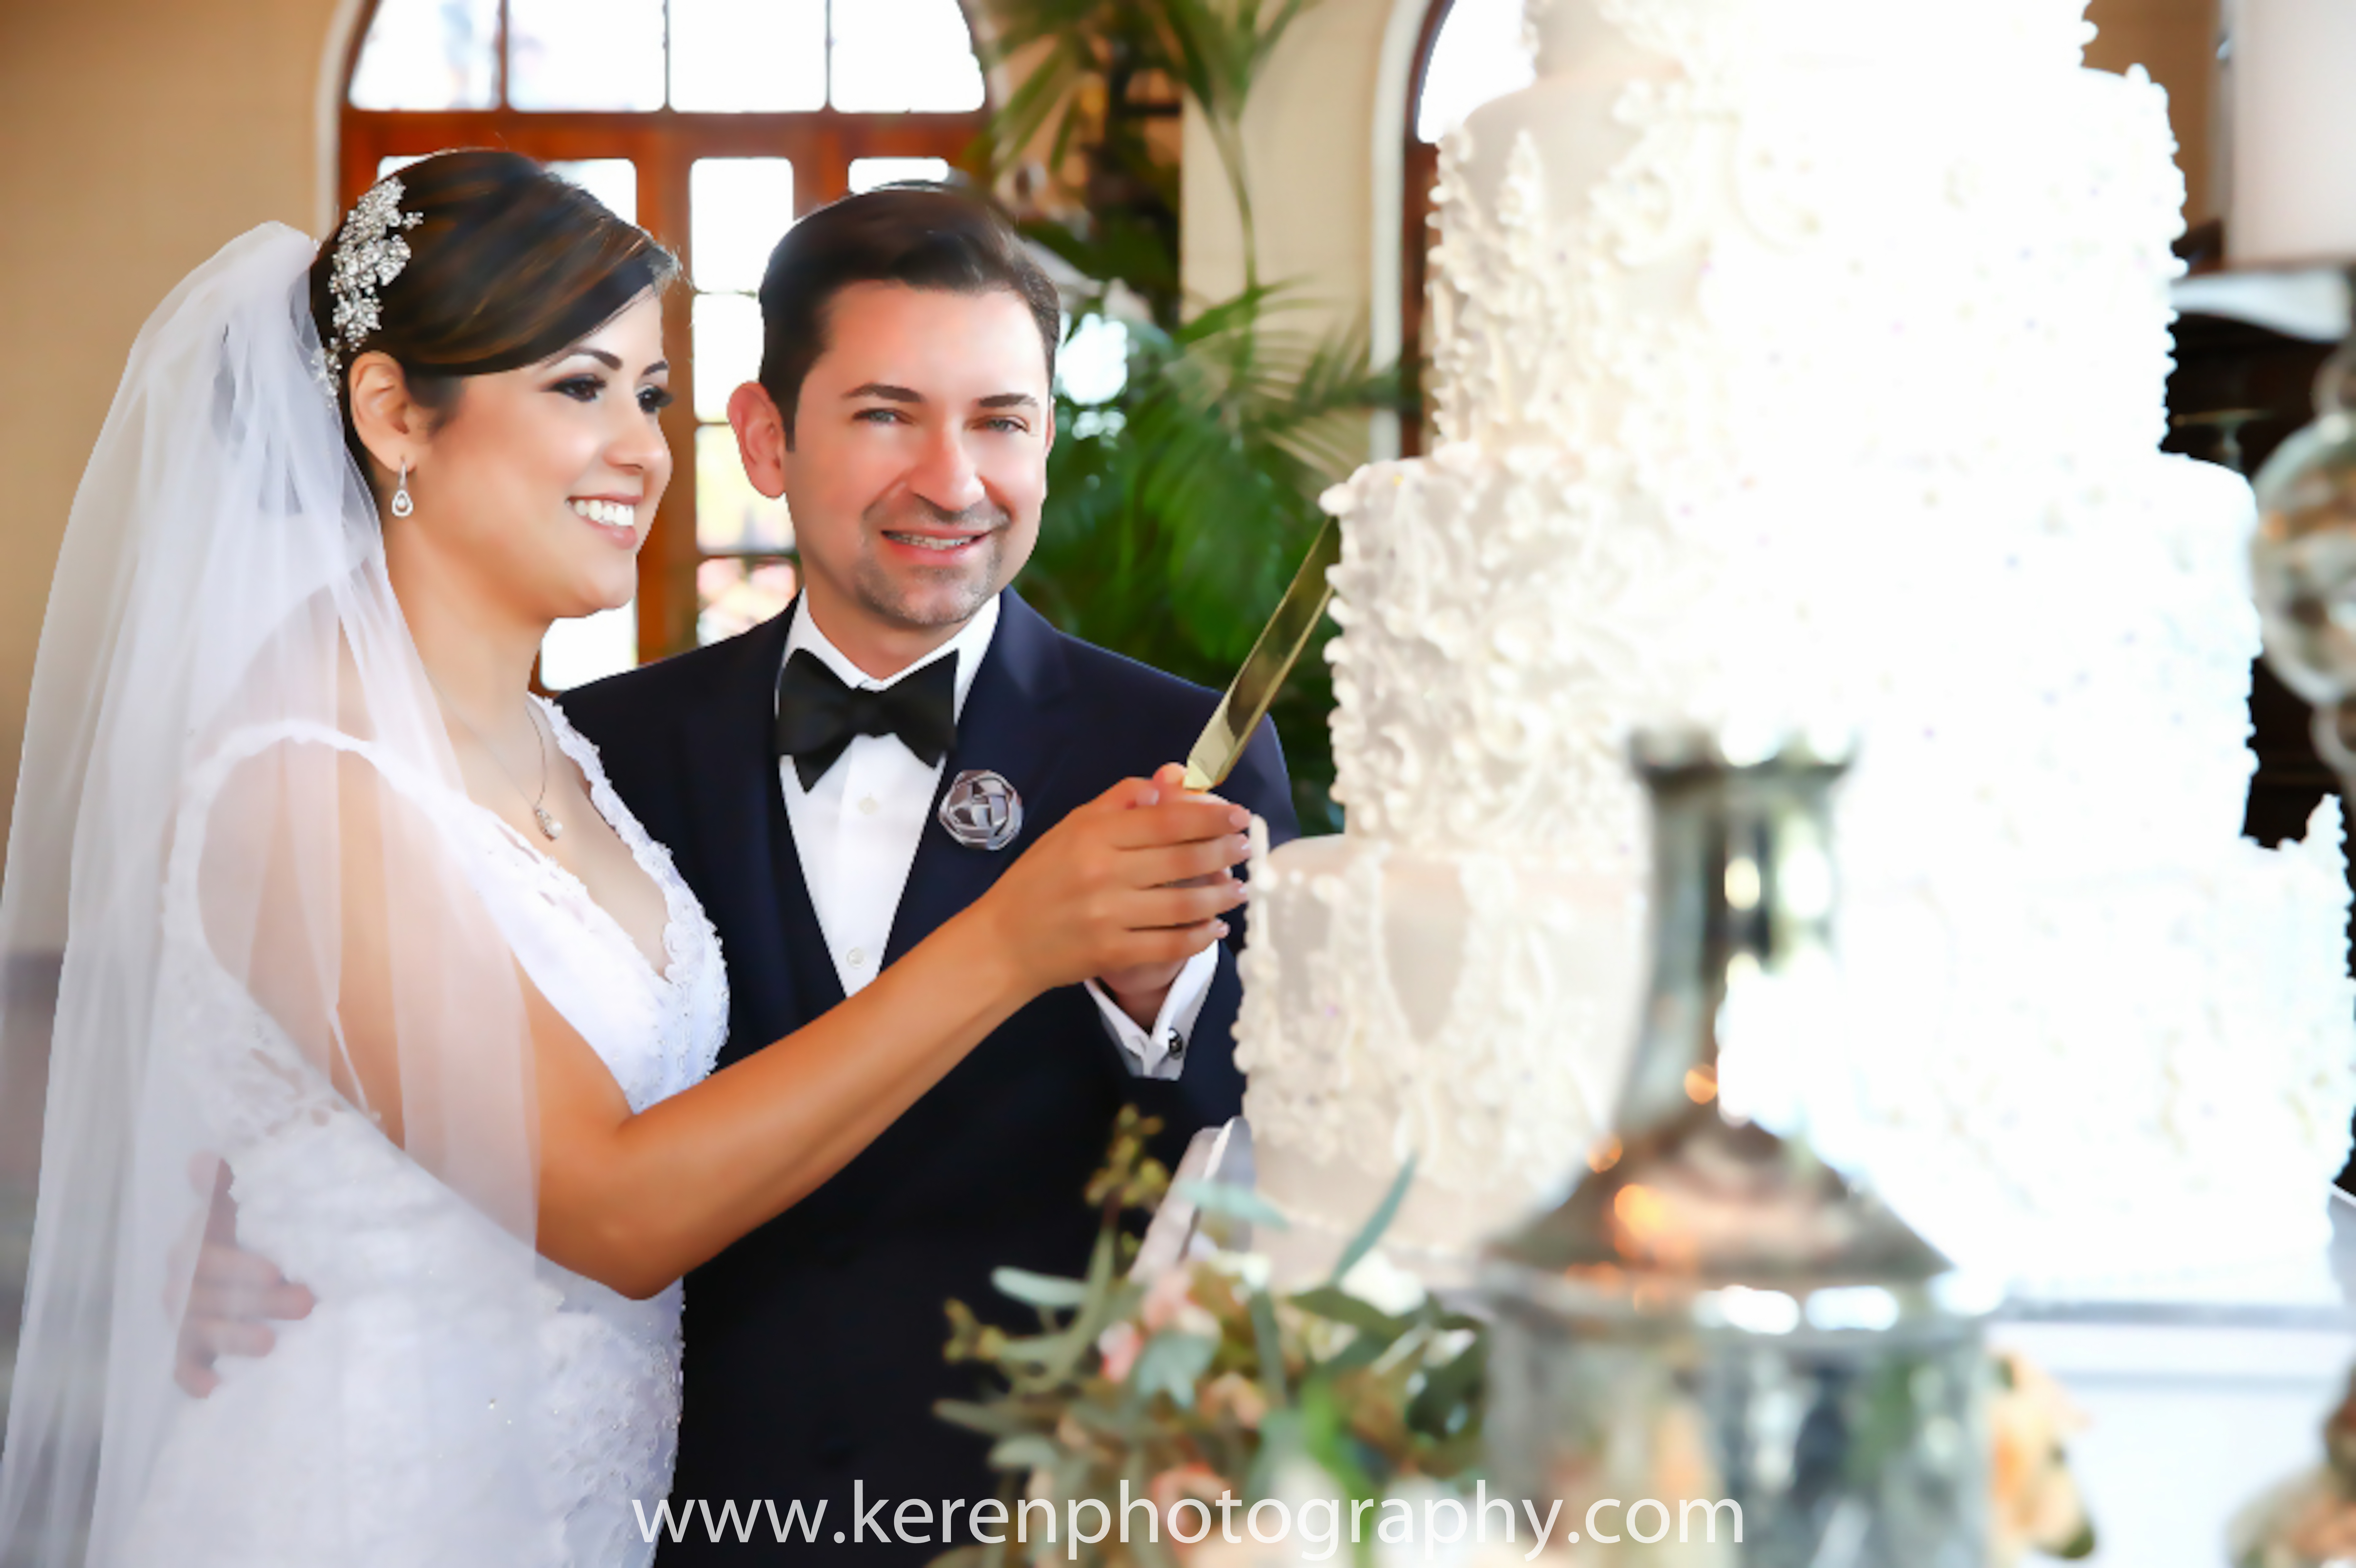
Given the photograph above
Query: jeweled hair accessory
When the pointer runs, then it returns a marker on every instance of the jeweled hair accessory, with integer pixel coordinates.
(370, 254)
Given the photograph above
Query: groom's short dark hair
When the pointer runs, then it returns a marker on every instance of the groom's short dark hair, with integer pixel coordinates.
(923, 235)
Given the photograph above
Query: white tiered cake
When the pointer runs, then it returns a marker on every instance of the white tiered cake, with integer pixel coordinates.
(1804, 361)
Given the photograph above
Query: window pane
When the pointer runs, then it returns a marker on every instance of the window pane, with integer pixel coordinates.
(614, 181)
(866, 174)
(1480, 54)
(737, 209)
(895, 55)
(1092, 366)
(585, 54)
(734, 596)
(730, 517)
(727, 330)
(592, 647)
(428, 54)
(745, 55)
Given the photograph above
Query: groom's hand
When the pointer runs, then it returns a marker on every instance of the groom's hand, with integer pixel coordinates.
(1142, 988)
(233, 1294)
(1131, 884)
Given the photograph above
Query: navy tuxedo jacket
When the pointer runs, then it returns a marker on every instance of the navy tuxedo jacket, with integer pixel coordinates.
(814, 1345)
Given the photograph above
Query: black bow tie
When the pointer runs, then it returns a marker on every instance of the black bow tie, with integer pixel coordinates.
(818, 715)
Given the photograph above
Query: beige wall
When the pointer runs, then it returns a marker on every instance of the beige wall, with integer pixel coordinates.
(136, 137)
(1309, 130)
(1312, 149)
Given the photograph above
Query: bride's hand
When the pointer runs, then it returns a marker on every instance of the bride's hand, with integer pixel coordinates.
(1105, 889)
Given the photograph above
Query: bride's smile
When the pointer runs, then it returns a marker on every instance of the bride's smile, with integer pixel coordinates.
(618, 518)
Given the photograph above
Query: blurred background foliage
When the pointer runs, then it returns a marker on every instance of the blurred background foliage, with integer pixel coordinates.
(1180, 504)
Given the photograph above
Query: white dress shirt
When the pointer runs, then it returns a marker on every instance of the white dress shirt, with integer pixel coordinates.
(857, 829)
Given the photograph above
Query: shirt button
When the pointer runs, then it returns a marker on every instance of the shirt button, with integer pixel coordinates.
(868, 807)
(858, 957)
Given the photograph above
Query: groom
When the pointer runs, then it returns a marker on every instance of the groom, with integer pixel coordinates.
(903, 412)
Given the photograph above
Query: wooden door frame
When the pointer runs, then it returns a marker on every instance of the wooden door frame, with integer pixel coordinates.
(1419, 173)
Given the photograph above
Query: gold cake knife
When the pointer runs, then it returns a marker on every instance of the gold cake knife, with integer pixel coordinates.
(1271, 659)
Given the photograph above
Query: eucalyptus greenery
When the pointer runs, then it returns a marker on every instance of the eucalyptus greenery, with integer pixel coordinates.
(1178, 509)
(1207, 1379)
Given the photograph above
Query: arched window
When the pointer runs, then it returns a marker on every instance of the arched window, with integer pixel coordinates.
(1469, 51)
(713, 123)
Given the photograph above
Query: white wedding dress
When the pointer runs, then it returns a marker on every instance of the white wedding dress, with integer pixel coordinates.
(241, 853)
(404, 1270)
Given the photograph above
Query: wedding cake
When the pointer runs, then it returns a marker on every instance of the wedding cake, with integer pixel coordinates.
(1799, 363)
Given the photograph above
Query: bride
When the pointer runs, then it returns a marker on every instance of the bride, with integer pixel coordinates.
(354, 928)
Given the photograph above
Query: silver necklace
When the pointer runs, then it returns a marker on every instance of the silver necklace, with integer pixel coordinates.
(549, 826)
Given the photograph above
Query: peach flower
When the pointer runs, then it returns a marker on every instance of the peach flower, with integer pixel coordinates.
(2034, 1499)
(1235, 1395)
(1118, 1345)
(1169, 1304)
(1193, 1480)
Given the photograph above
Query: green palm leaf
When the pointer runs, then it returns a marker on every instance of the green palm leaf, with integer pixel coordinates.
(1177, 511)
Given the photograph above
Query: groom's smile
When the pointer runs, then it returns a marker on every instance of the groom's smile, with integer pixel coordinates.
(942, 543)
(956, 556)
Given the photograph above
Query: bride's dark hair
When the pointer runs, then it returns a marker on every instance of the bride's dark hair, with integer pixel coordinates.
(512, 265)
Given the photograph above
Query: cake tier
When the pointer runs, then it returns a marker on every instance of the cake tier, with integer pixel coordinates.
(2042, 660)
(2091, 1012)
(1729, 243)
(2097, 1083)
(2081, 1085)
(1472, 1012)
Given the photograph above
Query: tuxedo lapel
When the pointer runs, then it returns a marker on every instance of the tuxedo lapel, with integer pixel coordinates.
(1013, 724)
(763, 908)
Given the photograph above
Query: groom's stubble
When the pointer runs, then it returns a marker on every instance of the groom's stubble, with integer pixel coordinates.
(924, 597)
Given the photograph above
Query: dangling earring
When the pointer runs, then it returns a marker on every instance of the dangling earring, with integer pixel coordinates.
(401, 504)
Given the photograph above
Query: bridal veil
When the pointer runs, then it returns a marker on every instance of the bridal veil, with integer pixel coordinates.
(231, 846)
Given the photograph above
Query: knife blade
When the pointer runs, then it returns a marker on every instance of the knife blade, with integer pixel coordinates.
(1272, 657)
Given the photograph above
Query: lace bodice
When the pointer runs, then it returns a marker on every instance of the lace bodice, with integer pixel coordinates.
(657, 1033)
(392, 1254)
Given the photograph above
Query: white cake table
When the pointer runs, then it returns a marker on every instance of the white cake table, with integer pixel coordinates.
(2196, 1407)
(2197, 1401)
